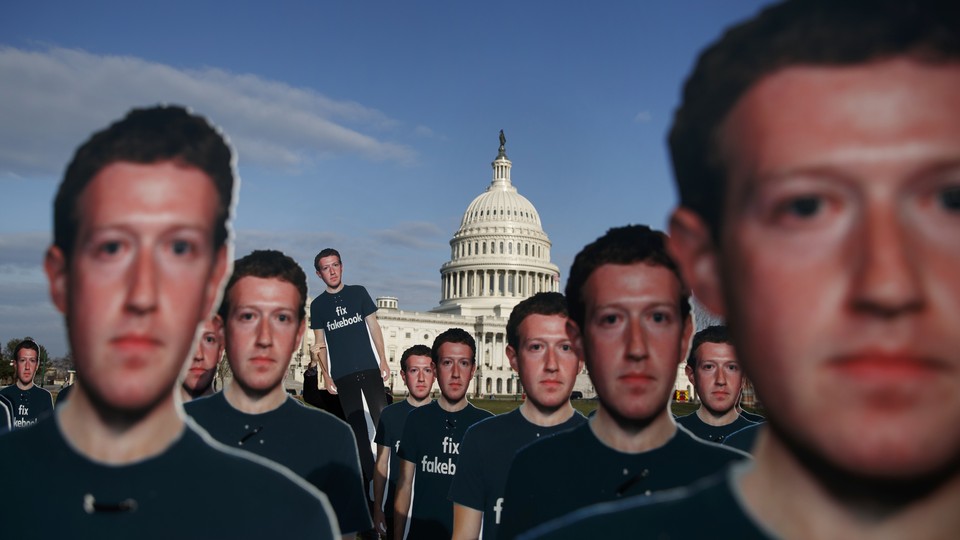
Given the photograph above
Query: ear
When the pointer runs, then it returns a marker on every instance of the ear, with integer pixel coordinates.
(576, 340)
(690, 374)
(219, 274)
(691, 245)
(303, 328)
(55, 266)
(512, 356)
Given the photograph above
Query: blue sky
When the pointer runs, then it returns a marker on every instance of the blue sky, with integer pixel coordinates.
(366, 126)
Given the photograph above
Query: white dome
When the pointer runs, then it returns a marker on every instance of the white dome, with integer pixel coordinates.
(500, 254)
(500, 205)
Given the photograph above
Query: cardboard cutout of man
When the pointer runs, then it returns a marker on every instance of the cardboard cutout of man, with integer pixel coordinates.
(817, 150)
(141, 248)
(264, 320)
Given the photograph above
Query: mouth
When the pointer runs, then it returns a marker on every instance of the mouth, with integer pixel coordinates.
(636, 378)
(886, 366)
(135, 342)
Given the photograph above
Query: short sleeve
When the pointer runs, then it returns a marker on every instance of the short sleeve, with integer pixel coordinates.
(367, 306)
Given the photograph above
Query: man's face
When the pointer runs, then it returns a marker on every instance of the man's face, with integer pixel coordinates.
(206, 356)
(419, 376)
(545, 360)
(143, 274)
(717, 378)
(263, 329)
(840, 260)
(632, 338)
(455, 369)
(331, 271)
(27, 362)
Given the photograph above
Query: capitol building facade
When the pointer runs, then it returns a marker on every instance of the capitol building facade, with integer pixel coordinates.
(499, 256)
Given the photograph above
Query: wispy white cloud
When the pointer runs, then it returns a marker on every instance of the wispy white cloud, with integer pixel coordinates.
(642, 117)
(54, 98)
(418, 235)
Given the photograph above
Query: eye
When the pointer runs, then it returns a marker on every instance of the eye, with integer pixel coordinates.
(801, 207)
(660, 317)
(283, 317)
(181, 247)
(108, 248)
(210, 339)
(245, 316)
(535, 347)
(950, 199)
(566, 347)
(608, 319)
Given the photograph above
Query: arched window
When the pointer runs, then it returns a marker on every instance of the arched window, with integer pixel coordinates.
(489, 385)
(499, 386)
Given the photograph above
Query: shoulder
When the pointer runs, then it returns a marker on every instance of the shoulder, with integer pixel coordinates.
(553, 446)
(203, 407)
(400, 409)
(355, 290)
(689, 444)
(492, 425)
(688, 419)
(271, 481)
(314, 417)
(665, 515)
(476, 414)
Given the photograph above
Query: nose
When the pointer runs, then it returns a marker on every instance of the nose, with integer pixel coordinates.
(550, 363)
(197, 354)
(636, 340)
(264, 333)
(142, 292)
(721, 376)
(886, 283)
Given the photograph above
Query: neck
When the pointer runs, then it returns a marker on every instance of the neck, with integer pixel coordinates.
(250, 402)
(452, 406)
(632, 436)
(118, 437)
(336, 289)
(712, 418)
(419, 402)
(23, 386)
(544, 416)
(844, 506)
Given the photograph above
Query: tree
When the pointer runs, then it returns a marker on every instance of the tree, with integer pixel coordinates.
(6, 368)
